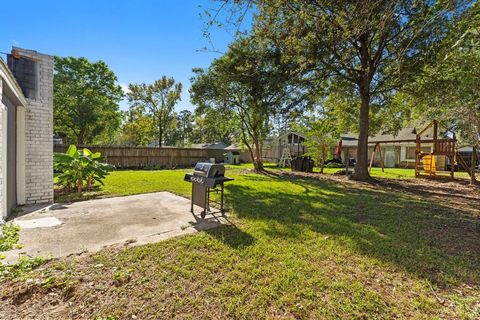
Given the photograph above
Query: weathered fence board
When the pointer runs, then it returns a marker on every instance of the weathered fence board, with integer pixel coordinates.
(140, 157)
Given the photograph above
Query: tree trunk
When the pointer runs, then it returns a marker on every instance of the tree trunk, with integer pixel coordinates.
(250, 151)
(361, 166)
(473, 178)
(183, 134)
(80, 138)
(258, 164)
(160, 134)
(322, 160)
(79, 186)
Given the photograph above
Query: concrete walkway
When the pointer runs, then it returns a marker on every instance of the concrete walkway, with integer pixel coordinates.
(88, 226)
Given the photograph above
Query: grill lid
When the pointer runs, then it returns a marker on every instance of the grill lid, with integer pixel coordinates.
(209, 170)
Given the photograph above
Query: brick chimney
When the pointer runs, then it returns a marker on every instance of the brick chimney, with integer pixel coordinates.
(34, 74)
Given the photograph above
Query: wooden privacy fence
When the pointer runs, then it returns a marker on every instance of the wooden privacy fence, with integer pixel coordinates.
(141, 157)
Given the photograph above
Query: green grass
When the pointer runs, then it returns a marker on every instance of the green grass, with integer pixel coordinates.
(142, 181)
(128, 182)
(9, 236)
(392, 173)
(134, 182)
(295, 248)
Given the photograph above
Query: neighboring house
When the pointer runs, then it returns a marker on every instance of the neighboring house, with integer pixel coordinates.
(466, 153)
(232, 157)
(154, 144)
(26, 130)
(59, 140)
(215, 145)
(243, 152)
(273, 148)
(399, 154)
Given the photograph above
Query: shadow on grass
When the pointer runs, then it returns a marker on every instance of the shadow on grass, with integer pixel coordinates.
(232, 236)
(224, 230)
(423, 238)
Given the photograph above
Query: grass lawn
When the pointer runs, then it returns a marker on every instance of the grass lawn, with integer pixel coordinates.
(297, 247)
(128, 182)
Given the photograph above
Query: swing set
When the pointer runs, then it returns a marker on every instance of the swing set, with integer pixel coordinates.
(425, 161)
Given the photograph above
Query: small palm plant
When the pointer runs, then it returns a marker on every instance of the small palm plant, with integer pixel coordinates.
(80, 169)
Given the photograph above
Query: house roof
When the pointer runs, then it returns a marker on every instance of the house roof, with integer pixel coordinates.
(290, 132)
(233, 147)
(215, 145)
(12, 85)
(407, 133)
(465, 149)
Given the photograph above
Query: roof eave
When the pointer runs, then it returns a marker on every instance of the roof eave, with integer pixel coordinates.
(12, 83)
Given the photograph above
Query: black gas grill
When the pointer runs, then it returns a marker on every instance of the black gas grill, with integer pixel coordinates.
(205, 179)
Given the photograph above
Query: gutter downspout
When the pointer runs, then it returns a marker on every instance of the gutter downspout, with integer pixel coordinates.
(3, 157)
(20, 159)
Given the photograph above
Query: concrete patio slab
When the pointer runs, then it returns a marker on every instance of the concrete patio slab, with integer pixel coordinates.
(38, 223)
(88, 226)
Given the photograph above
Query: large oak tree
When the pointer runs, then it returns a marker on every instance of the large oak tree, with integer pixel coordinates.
(86, 98)
(374, 46)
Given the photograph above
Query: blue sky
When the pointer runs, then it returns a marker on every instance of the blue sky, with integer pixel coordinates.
(140, 40)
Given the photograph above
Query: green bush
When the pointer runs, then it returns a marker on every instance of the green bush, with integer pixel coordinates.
(79, 169)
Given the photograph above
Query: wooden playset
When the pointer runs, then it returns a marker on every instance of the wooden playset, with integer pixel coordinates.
(425, 164)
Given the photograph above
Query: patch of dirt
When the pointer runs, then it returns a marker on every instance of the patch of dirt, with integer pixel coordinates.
(246, 171)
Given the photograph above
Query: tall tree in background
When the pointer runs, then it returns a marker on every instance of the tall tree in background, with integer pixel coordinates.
(137, 129)
(251, 81)
(158, 101)
(373, 46)
(185, 119)
(211, 126)
(85, 97)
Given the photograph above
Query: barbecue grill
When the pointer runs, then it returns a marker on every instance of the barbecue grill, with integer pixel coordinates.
(207, 178)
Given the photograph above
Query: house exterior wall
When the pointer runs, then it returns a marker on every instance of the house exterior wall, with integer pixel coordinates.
(232, 158)
(11, 162)
(401, 155)
(3, 171)
(38, 126)
(272, 149)
(274, 152)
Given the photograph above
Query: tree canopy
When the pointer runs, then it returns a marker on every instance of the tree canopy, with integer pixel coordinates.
(371, 48)
(251, 81)
(86, 97)
(137, 129)
(157, 100)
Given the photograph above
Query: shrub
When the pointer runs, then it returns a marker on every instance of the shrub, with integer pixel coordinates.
(80, 169)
